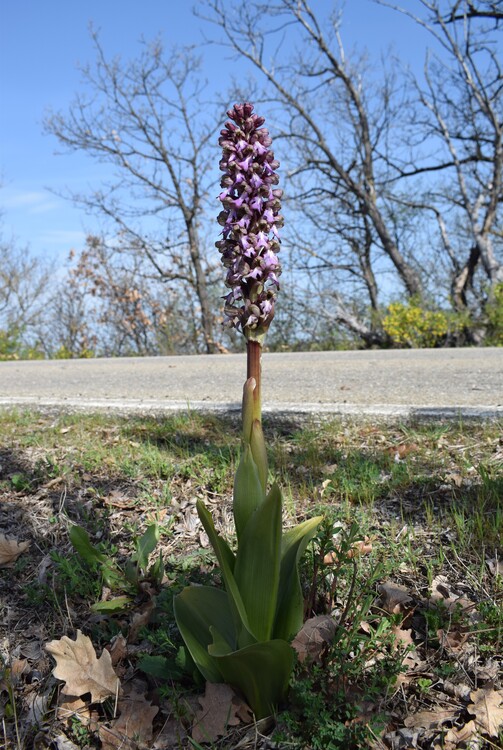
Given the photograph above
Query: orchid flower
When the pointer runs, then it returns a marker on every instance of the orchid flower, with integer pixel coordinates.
(242, 635)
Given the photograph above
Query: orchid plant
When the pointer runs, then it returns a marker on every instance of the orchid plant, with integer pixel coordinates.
(241, 635)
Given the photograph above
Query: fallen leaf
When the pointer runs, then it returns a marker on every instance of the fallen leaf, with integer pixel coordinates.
(358, 548)
(430, 719)
(394, 598)
(403, 637)
(455, 478)
(119, 500)
(133, 728)
(62, 742)
(78, 666)
(489, 671)
(487, 709)
(495, 567)
(140, 619)
(118, 649)
(452, 640)
(313, 638)
(10, 550)
(402, 450)
(219, 708)
(71, 706)
(463, 734)
(172, 734)
(440, 588)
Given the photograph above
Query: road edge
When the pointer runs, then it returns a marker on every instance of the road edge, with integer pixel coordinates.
(158, 407)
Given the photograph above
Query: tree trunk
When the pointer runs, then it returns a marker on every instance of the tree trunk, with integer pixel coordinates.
(206, 316)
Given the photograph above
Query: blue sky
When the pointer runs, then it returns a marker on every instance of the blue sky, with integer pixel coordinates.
(42, 42)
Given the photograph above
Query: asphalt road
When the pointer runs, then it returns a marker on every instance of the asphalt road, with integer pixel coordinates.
(402, 383)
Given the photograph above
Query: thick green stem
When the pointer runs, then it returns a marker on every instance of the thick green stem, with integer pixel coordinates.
(253, 437)
(254, 370)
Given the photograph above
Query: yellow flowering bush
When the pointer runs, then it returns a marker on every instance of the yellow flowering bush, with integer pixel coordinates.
(65, 353)
(411, 325)
(494, 312)
(12, 349)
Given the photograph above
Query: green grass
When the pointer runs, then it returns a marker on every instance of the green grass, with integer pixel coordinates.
(427, 497)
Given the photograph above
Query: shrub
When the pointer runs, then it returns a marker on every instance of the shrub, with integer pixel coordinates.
(12, 347)
(494, 313)
(410, 324)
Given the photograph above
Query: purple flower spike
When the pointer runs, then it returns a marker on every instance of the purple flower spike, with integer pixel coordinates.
(250, 220)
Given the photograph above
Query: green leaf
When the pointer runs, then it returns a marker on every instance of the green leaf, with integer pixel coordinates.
(261, 672)
(117, 604)
(198, 611)
(248, 491)
(248, 408)
(259, 452)
(228, 554)
(258, 565)
(160, 667)
(88, 552)
(146, 545)
(221, 549)
(131, 573)
(112, 575)
(20, 482)
(219, 645)
(290, 604)
(157, 570)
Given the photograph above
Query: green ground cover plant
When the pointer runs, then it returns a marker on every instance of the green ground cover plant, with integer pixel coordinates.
(406, 565)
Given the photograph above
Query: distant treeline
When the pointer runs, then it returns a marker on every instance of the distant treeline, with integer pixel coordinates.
(393, 193)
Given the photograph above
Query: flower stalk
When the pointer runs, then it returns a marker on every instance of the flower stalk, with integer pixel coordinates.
(242, 635)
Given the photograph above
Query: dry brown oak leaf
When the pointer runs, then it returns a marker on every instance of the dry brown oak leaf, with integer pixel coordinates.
(487, 707)
(133, 728)
(394, 597)
(313, 638)
(10, 550)
(78, 666)
(221, 708)
(429, 719)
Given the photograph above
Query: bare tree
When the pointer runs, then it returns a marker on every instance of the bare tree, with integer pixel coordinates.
(68, 332)
(24, 281)
(337, 129)
(359, 144)
(462, 9)
(128, 308)
(148, 119)
(461, 118)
